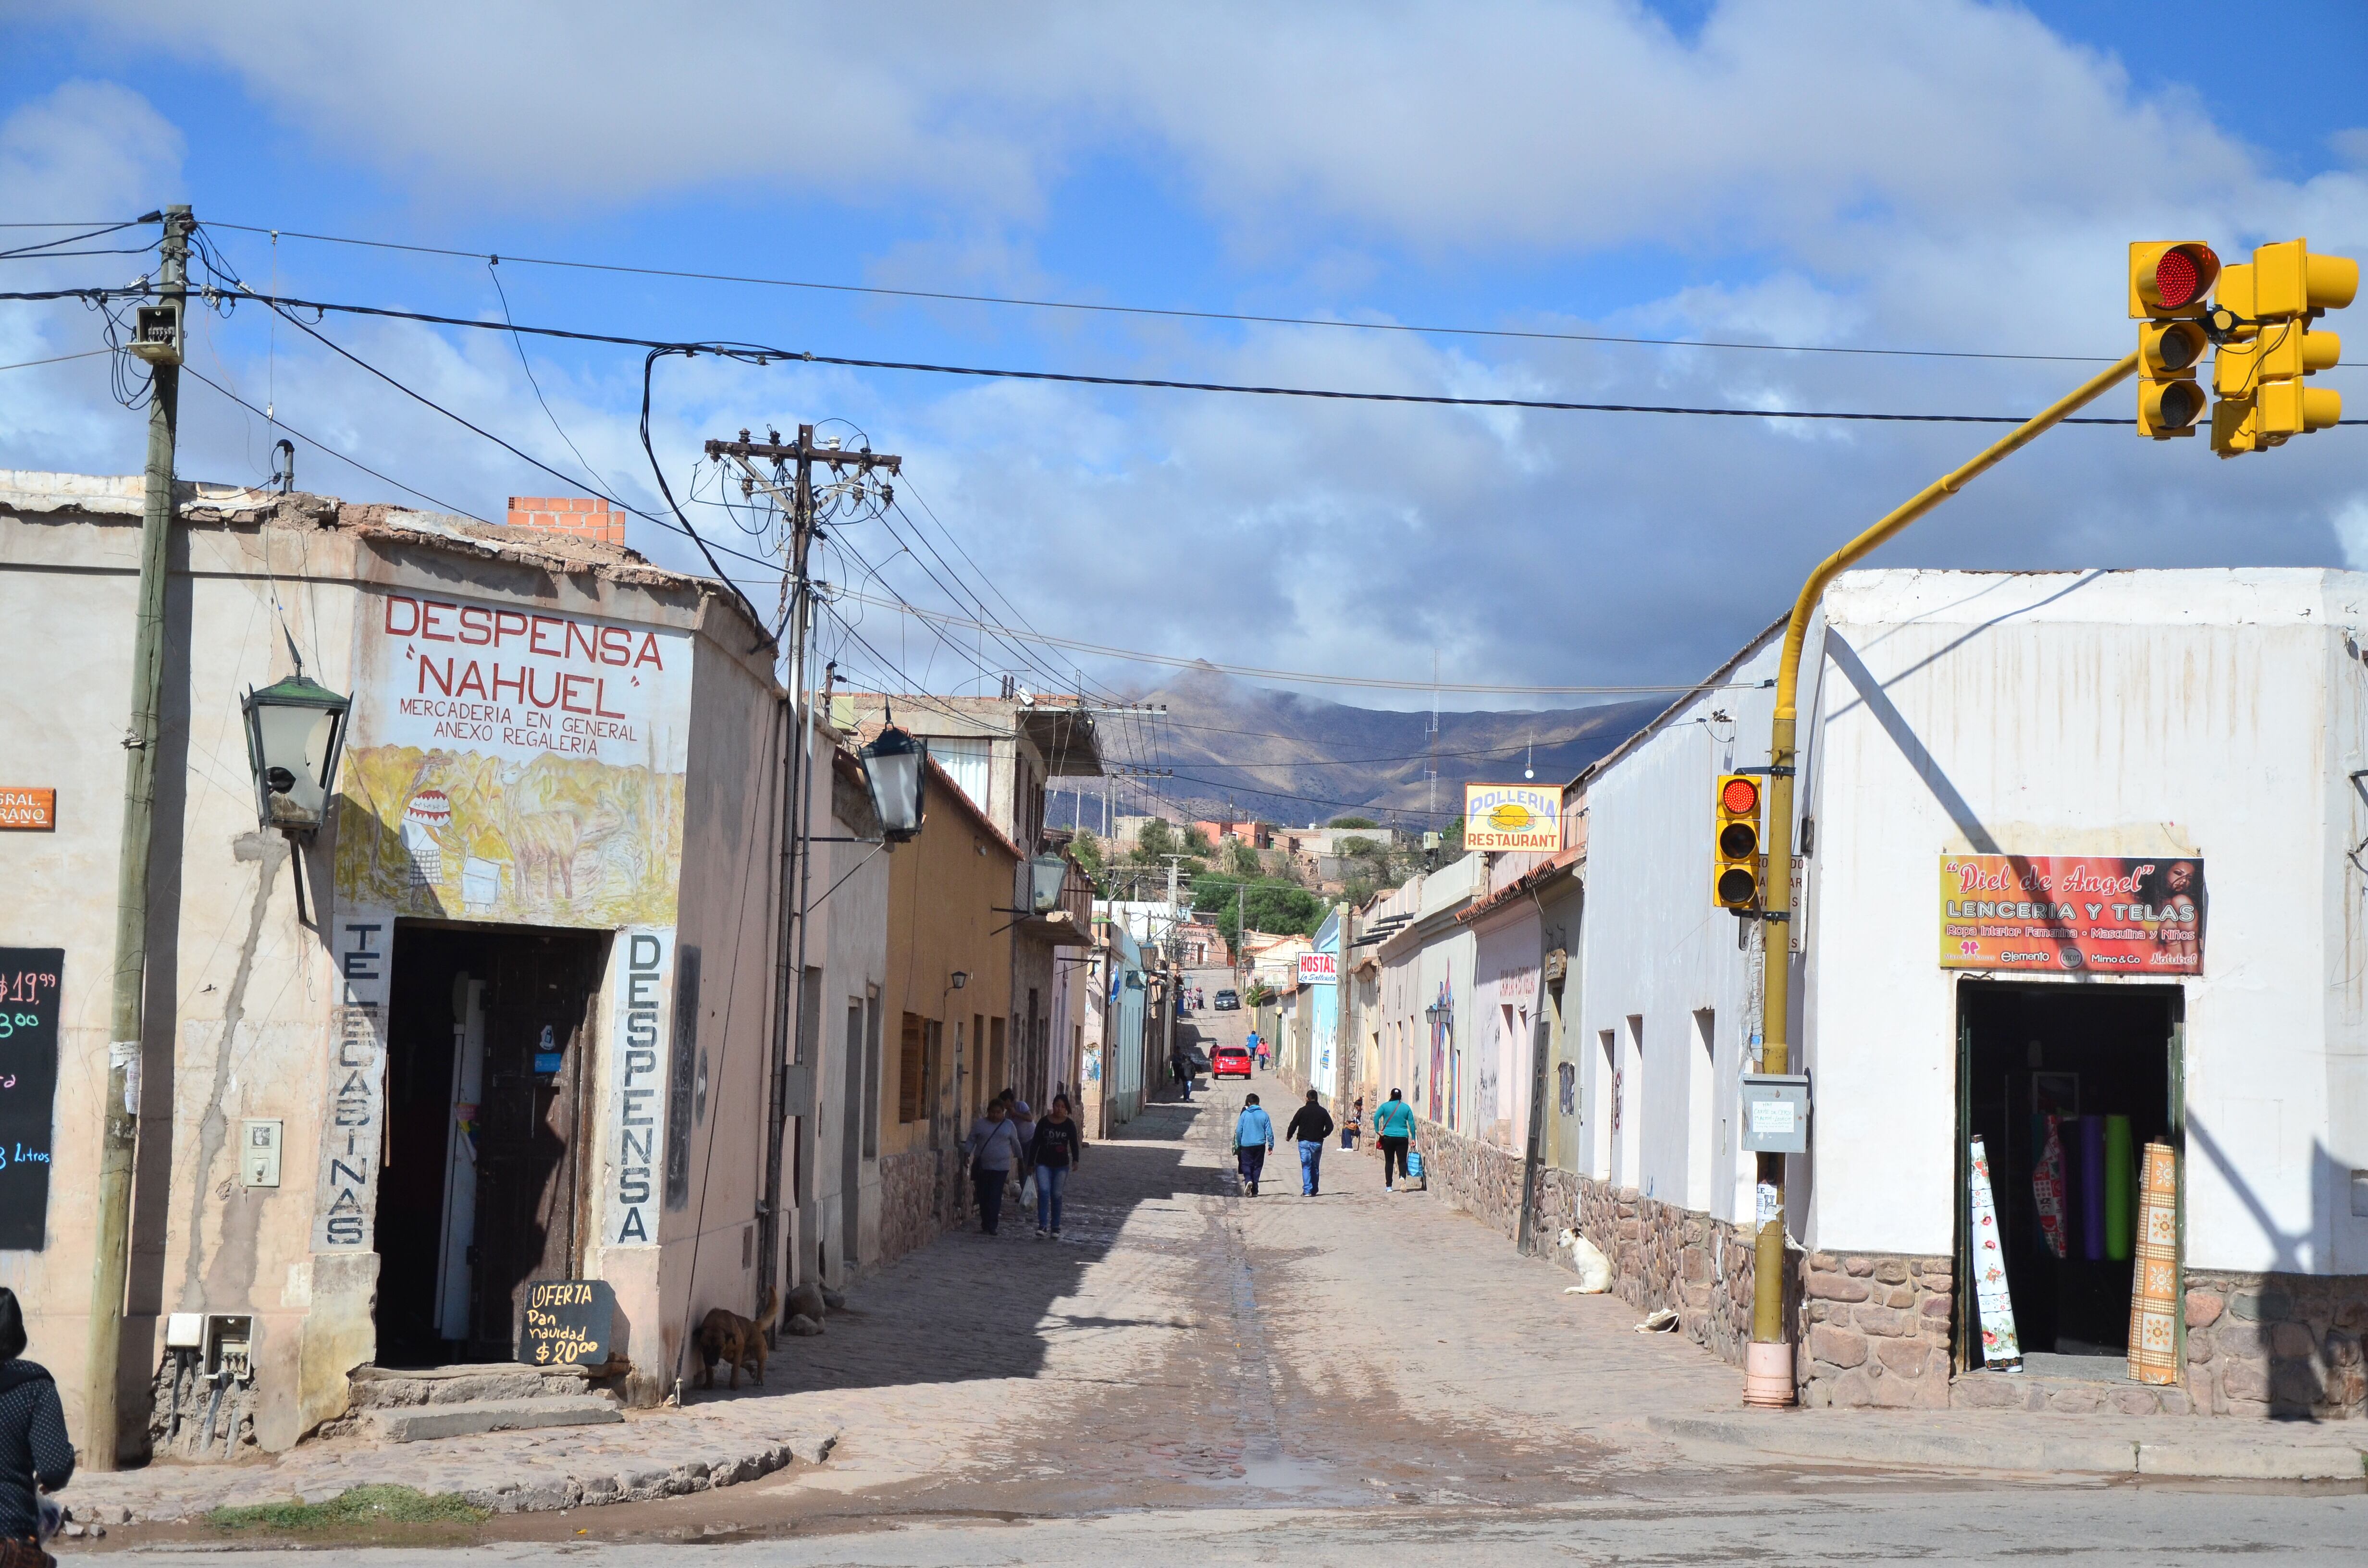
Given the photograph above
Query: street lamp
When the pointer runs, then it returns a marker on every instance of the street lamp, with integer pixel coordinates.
(1047, 875)
(295, 729)
(894, 765)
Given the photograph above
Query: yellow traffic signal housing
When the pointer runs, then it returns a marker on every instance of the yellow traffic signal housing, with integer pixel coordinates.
(2290, 288)
(2171, 278)
(2170, 399)
(1735, 843)
(2236, 365)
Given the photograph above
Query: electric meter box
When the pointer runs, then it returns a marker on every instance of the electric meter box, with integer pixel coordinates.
(1775, 1113)
(156, 334)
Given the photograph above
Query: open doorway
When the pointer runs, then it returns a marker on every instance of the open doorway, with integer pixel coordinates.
(482, 1189)
(2098, 1067)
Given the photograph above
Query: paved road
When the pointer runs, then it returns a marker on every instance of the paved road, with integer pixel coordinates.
(1195, 1377)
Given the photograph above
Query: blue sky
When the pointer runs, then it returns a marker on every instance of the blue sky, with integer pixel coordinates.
(1946, 175)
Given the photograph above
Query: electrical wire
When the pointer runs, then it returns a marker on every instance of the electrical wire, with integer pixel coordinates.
(56, 359)
(1169, 312)
(761, 354)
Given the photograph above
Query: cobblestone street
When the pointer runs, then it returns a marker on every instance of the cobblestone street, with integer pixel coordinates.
(1362, 1360)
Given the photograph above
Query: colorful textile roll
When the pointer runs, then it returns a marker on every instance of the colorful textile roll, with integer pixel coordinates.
(2154, 1283)
(2002, 1349)
(2047, 1185)
(2092, 1189)
(2121, 1213)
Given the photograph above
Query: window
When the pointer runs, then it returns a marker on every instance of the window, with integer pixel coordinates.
(912, 1099)
(970, 762)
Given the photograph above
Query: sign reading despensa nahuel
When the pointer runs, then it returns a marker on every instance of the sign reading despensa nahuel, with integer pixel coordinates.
(2103, 913)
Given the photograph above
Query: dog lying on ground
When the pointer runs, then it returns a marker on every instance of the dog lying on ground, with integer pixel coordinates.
(728, 1338)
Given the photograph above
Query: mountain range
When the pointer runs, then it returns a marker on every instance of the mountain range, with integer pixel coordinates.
(1283, 758)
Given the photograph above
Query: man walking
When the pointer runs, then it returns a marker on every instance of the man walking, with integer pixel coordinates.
(1392, 1134)
(1310, 1127)
(1180, 1063)
(1253, 1141)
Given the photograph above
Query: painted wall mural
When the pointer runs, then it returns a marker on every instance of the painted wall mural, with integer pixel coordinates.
(514, 767)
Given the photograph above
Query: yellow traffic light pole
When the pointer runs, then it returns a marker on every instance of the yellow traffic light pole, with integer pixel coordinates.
(1768, 1368)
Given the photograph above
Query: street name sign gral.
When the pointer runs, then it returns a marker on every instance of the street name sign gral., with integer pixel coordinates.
(566, 1322)
(2103, 915)
(1512, 816)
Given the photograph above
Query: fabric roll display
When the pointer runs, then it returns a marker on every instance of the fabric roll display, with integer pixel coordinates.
(2154, 1285)
(2047, 1185)
(2120, 1213)
(2092, 1188)
(2002, 1349)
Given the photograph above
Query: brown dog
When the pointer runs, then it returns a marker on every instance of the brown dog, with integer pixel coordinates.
(727, 1336)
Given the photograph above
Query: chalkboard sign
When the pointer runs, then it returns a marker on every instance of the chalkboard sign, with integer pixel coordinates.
(28, 1091)
(566, 1322)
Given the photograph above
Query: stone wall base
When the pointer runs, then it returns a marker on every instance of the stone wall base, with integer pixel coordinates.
(917, 1201)
(2282, 1345)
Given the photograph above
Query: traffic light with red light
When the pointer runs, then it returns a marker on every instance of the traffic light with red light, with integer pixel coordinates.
(1735, 839)
(2171, 288)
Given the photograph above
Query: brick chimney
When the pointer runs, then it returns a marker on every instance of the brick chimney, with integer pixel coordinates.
(578, 517)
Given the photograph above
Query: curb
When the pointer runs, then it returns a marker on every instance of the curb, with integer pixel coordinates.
(552, 1496)
(647, 1485)
(2022, 1451)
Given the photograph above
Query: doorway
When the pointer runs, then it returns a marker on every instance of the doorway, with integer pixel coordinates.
(480, 1189)
(2099, 1068)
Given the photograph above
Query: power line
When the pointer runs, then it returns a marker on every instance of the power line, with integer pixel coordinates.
(761, 354)
(1169, 313)
(56, 359)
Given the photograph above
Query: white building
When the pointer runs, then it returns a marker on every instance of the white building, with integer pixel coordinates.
(2133, 729)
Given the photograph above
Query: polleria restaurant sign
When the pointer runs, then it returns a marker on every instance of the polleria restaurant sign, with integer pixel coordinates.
(1512, 816)
(2104, 914)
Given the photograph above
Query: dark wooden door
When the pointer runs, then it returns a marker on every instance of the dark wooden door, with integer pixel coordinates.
(531, 1148)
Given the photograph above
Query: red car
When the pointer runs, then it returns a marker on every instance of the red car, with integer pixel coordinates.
(1232, 1060)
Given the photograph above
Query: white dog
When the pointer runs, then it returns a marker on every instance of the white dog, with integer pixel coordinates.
(1594, 1269)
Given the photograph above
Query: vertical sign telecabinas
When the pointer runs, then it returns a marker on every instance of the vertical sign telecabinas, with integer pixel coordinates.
(346, 1193)
(29, 1087)
(637, 1108)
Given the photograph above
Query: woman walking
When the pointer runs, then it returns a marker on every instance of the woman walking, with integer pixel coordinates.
(993, 1150)
(1392, 1135)
(1253, 1141)
(1054, 1152)
(34, 1452)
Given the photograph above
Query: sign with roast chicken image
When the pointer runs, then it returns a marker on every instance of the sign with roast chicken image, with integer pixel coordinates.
(510, 766)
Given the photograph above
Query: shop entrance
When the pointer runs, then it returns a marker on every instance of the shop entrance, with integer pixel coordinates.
(482, 1189)
(2102, 1061)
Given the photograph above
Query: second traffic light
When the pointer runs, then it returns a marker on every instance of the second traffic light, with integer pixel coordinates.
(1735, 841)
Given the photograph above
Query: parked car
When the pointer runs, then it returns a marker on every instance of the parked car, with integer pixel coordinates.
(1233, 1062)
(1229, 1001)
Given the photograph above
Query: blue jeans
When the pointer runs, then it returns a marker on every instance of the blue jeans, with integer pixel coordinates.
(1050, 1181)
(1311, 1167)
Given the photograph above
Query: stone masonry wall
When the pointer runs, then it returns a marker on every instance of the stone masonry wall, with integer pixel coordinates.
(2283, 1346)
(1874, 1330)
(915, 1205)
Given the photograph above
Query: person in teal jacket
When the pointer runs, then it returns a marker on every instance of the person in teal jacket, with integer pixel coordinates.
(1392, 1135)
(1253, 1138)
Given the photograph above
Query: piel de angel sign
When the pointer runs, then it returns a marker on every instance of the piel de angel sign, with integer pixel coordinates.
(2103, 913)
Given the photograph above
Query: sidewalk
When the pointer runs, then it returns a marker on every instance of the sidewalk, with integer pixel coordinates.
(655, 1453)
(1663, 1386)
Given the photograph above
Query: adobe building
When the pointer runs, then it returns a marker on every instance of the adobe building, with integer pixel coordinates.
(506, 1017)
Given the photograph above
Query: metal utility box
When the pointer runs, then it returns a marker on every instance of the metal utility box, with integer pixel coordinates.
(156, 334)
(258, 1153)
(1775, 1113)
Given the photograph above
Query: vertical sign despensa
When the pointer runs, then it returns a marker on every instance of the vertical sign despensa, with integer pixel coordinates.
(637, 1107)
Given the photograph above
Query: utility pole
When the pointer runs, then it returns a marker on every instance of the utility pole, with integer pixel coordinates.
(122, 1130)
(1346, 1042)
(793, 465)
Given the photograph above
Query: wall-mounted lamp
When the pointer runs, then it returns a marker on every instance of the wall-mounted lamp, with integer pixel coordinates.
(962, 978)
(894, 766)
(1047, 875)
(295, 728)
